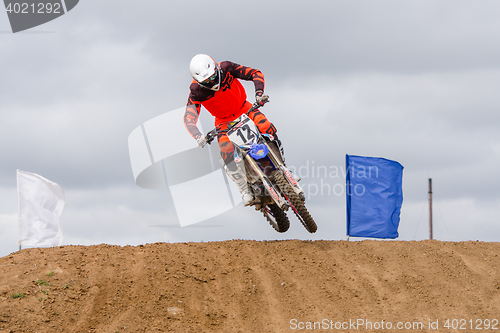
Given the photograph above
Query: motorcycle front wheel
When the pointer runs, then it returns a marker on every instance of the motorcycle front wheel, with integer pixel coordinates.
(298, 205)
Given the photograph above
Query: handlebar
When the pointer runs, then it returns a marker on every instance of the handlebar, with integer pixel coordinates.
(211, 136)
(213, 133)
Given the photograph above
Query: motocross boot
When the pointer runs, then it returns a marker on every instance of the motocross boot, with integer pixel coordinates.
(280, 147)
(240, 179)
(282, 152)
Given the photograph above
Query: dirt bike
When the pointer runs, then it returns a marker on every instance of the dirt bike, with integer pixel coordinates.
(274, 188)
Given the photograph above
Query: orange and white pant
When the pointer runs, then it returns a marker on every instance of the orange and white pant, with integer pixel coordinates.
(226, 147)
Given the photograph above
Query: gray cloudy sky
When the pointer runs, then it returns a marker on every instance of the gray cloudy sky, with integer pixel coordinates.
(412, 81)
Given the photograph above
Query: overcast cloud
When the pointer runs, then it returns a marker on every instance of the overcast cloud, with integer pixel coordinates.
(412, 81)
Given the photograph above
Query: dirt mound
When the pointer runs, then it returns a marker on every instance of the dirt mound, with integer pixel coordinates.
(249, 286)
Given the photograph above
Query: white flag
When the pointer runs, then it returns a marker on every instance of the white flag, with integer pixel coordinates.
(40, 206)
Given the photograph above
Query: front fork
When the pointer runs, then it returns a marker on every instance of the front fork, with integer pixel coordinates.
(284, 170)
(280, 201)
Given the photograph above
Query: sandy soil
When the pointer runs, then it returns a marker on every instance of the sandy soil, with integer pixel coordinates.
(248, 286)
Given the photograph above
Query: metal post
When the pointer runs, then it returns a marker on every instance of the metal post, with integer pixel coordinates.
(430, 208)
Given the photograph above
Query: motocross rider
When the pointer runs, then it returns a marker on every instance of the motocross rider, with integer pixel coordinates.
(217, 88)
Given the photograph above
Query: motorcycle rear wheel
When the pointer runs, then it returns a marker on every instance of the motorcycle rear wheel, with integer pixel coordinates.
(276, 217)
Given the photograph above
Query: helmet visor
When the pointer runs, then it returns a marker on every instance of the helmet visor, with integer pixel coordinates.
(211, 81)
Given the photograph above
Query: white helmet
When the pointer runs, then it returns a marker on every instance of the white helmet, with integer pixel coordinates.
(205, 71)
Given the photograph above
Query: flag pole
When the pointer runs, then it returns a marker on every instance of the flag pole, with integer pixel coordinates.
(430, 208)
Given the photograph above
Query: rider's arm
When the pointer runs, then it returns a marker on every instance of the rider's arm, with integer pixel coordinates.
(191, 118)
(247, 73)
(197, 96)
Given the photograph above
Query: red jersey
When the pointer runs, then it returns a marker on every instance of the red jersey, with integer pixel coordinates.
(226, 104)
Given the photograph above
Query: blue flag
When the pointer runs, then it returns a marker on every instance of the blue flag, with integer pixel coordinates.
(374, 195)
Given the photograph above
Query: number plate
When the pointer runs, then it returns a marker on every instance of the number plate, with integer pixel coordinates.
(243, 133)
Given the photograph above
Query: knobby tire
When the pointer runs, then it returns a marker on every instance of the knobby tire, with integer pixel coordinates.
(282, 222)
(300, 209)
